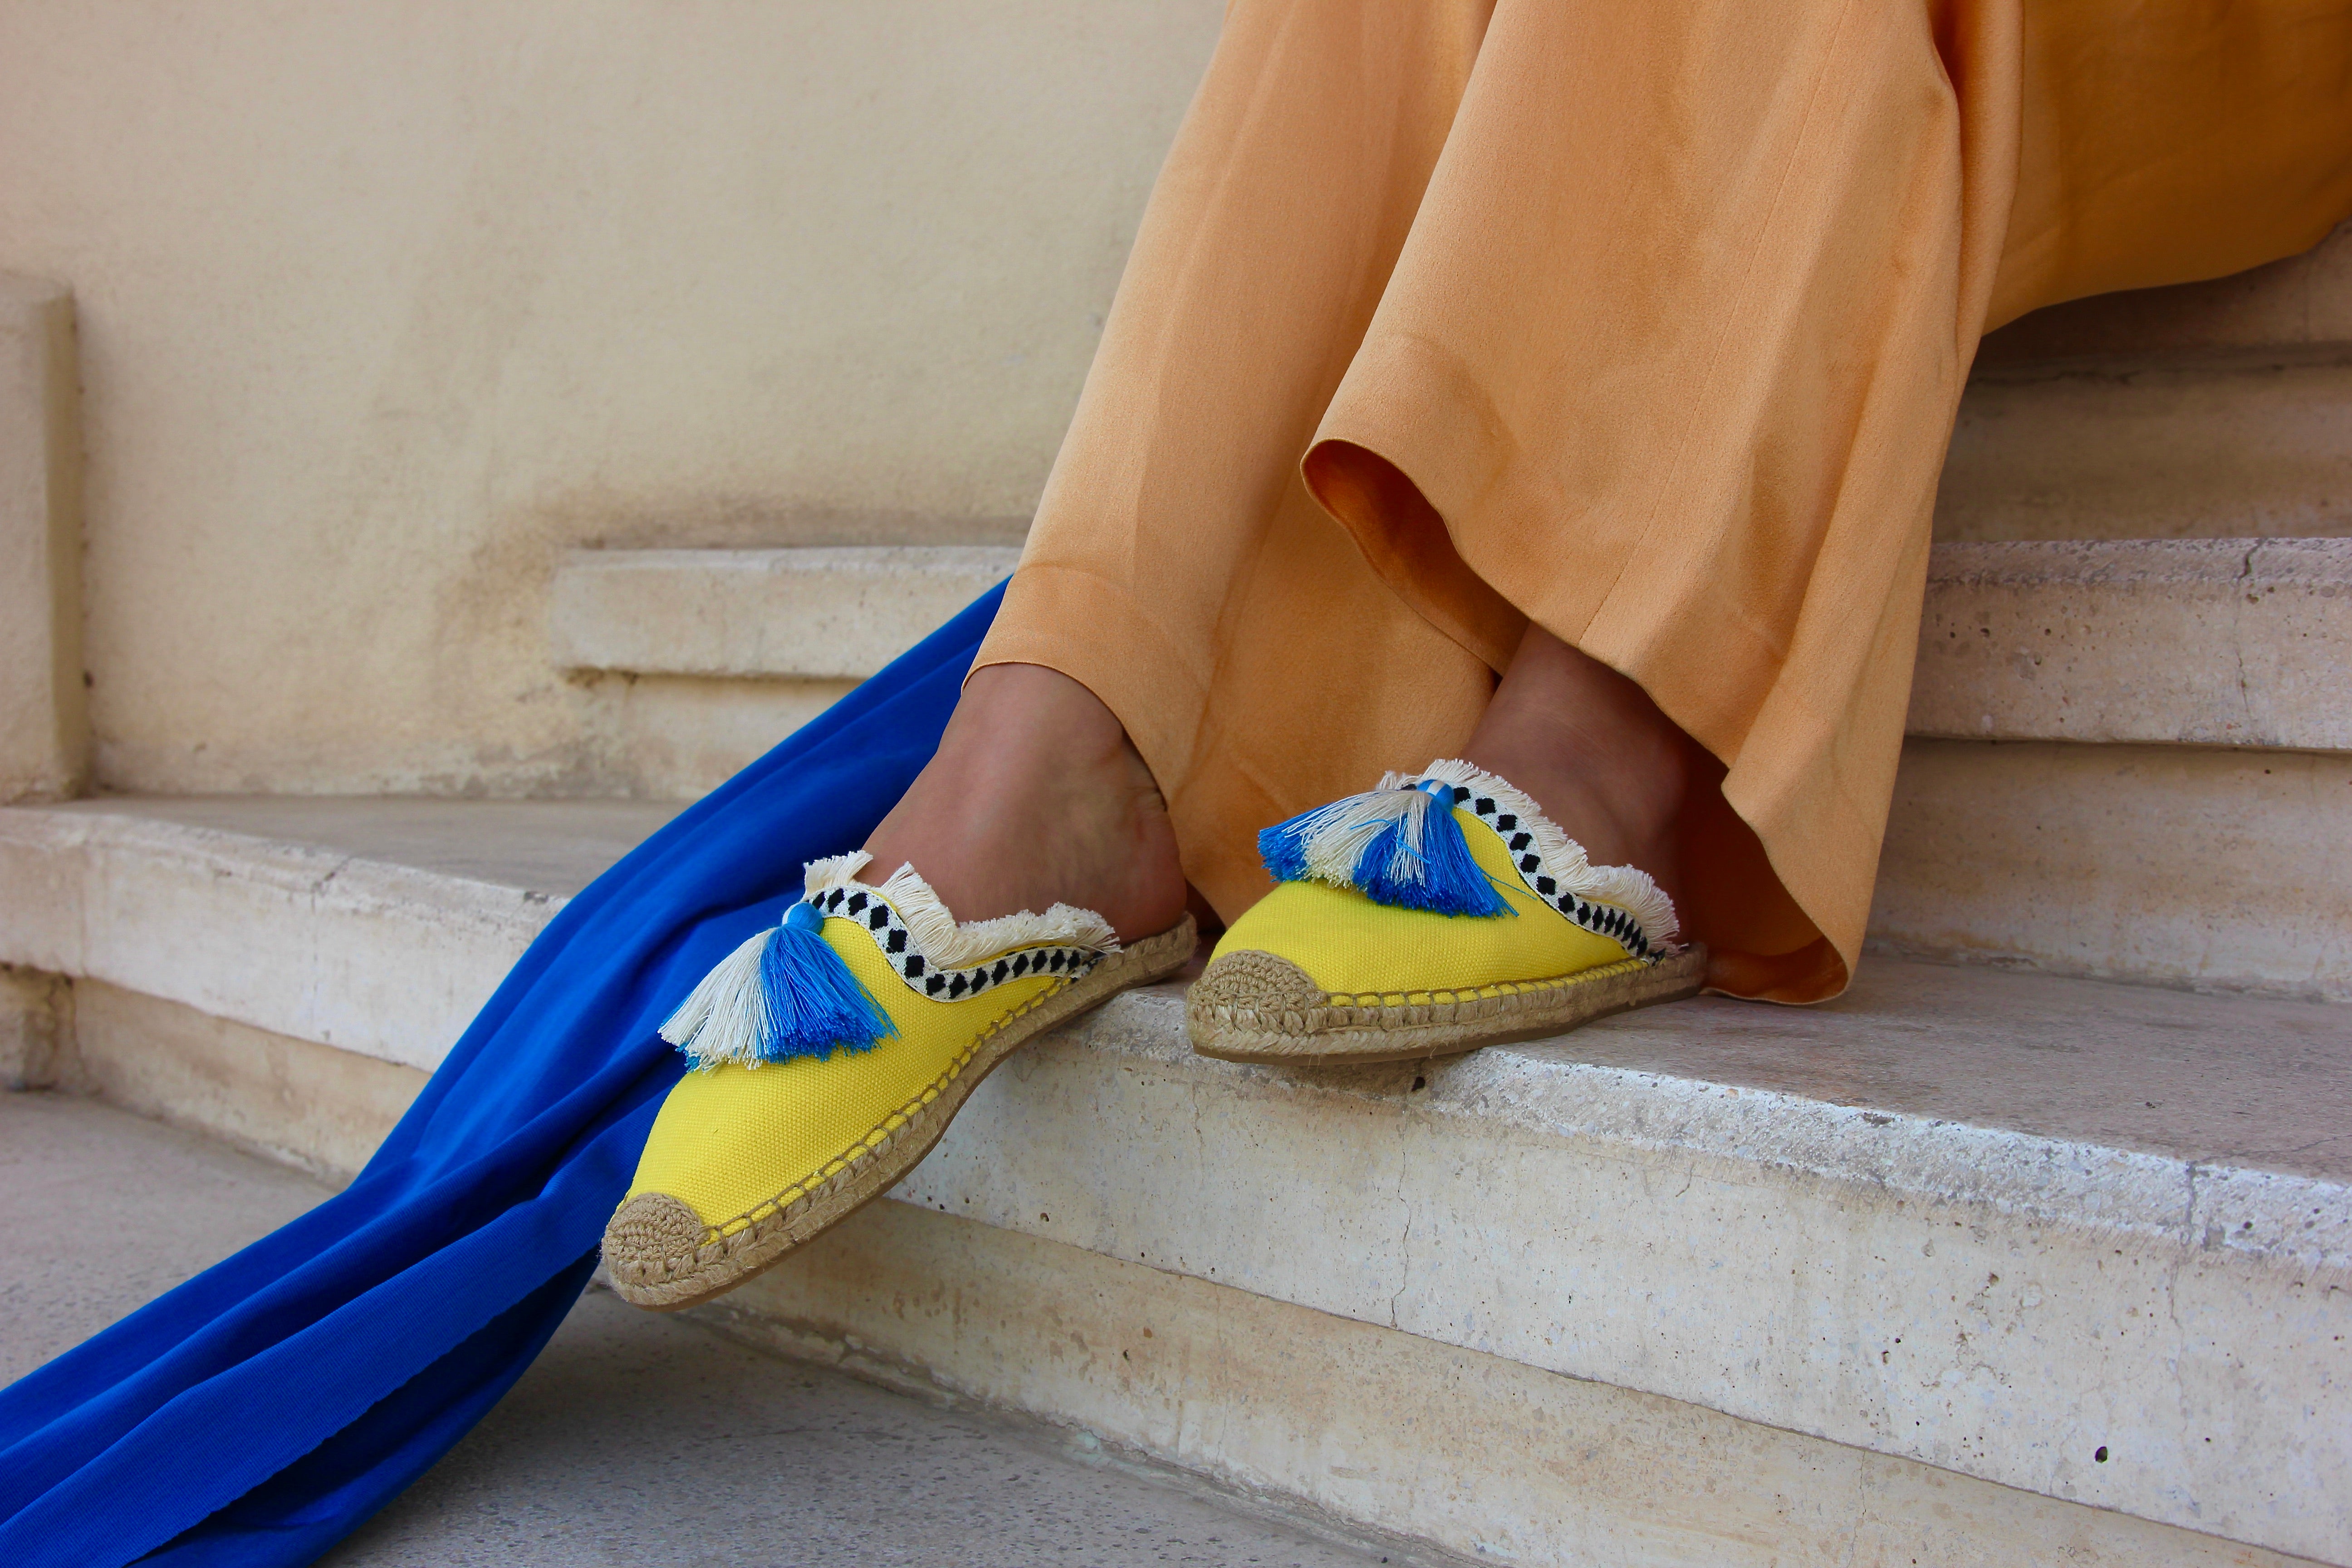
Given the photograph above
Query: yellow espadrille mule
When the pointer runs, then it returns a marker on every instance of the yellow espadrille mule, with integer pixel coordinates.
(831, 1053)
(1436, 914)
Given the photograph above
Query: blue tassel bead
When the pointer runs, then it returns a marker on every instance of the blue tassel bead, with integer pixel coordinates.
(815, 1004)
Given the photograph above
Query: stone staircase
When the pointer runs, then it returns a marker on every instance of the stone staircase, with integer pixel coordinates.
(2034, 1247)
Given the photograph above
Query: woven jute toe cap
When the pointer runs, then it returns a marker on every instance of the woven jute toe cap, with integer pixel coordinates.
(1262, 985)
(651, 1243)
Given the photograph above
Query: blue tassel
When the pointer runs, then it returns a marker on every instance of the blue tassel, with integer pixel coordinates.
(814, 1003)
(783, 993)
(1283, 848)
(1401, 847)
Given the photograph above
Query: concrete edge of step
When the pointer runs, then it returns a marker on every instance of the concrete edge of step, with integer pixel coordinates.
(1544, 1090)
(179, 910)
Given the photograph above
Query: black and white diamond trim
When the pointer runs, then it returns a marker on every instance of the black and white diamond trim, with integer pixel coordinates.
(897, 945)
(1604, 920)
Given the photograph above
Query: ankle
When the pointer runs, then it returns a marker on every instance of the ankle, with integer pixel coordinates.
(1618, 796)
(1602, 759)
(1036, 796)
(1020, 728)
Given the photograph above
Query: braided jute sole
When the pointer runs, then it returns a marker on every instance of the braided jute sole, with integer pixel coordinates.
(1253, 1006)
(661, 1255)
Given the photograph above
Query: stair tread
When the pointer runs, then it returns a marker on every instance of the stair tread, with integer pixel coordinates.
(2246, 1082)
(555, 846)
(2252, 1082)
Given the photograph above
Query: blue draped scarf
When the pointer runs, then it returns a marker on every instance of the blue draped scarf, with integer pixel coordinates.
(261, 1412)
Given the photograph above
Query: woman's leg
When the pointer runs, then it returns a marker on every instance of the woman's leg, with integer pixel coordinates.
(1646, 322)
(1670, 360)
(1177, 562)
(1179, 568)
(1625, 340)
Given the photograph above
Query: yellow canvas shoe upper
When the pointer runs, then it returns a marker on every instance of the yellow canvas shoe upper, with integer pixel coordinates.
(1556, 913)
(737, 1139)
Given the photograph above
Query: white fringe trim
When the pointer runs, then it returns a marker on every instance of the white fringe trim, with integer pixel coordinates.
(1627, 888)
(948, 943)
(727, 1006)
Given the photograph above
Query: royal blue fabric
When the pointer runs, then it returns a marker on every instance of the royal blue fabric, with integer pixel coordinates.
(261, 1411)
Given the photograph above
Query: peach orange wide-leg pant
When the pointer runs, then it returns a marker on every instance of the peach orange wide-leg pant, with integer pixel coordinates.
(1644, 320)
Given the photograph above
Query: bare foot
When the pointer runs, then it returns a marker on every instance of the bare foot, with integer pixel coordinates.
(1037, 797)
(1595, 753)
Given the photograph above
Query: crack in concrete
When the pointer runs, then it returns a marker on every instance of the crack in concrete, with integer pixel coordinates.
(318, 887)
(1404, 1242)
(2238, 636)
(2179, 1261)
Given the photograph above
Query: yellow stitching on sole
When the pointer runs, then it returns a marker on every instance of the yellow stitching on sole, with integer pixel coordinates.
(1501, 988)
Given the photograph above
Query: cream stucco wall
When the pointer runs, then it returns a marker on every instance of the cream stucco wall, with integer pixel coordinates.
(384, 302)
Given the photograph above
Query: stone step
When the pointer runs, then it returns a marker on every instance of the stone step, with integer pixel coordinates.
(1969, 1267)
(2301, 303)
(175, 896)
(2174, 850)
(2205, 868)
(2202, 642)
(2205, 410)
(2207, 842)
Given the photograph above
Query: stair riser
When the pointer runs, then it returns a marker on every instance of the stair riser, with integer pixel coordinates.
(2099, 860)
(2217, 869)
(814, 614)
(2302, 300)
(2228, 643)
(36, 1016)
(2151, 454)
(295, 1101)
(2048, 863)
(678, 737)
(1497, 1460)
(43, 725)
(1377, 1427)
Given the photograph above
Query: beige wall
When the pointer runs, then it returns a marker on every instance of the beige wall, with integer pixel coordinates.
(382, 303)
